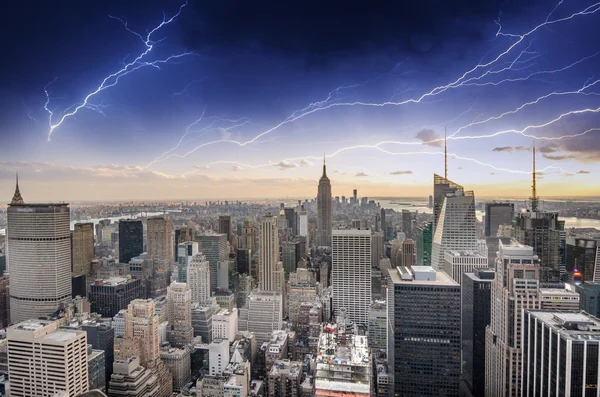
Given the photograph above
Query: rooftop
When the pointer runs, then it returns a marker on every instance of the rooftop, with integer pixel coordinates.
(343, 349)
(112, 281)
(558, 291)
(471, 254)
(574, 325)
(351, 232)
(441, 278)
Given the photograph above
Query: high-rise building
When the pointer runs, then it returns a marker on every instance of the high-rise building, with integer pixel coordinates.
(82, 248)
(182, 235)
(497, 214)
(225, 227)
(202, 321)
(44, 360)
(423, 243)
(408, 253)
(198, 278)
(248, 235)
(377, 331)
(589, 297)
(285, 378)
(179, 301)
(303, 222)
(131, 379)
(377, 248)
(407, 223)
(456, 227)
(383, 224)
(290, 255)
(560, 353)
(101, 336)
(476, 290)
(110, 295)
(351, 273)
(160, 241)
(39, 258)
(424, 339)
(581, 256)
(185, 253)
(179, 363)
(131, 239)
(262, 315)
(216, 249)
(225, 324)
(558, 299)
(441, 188)
(4, 301)
(268, 250)
(324, 214)
(457, 263)
(515, 288)
(290, 218)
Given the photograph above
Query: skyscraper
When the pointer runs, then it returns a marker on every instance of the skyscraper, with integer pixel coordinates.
(442, 187)
(408, 253)
(225, 226)
(262, 314)
(179, 302)
(497, 214)
(198, 278)
(407, 223)
(131, 239)
(515, 288)
(268, 249)
(160, 241)
(423, 243)
(82, 248)
(383, 224)
(456, 227)
(351, 273)
(39, 258)
(248, 235)
(457, 263)
(185, 253)
(215, 248)
(324, 214)
(424, 332)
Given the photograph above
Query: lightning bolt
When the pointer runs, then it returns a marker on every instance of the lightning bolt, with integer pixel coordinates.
(112, 79)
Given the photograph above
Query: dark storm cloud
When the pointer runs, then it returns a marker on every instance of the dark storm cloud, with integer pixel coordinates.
(585, 149)
(503, 149)
(429, 138)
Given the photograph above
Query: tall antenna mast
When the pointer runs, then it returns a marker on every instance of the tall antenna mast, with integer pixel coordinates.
(534, 198)
(445, 156)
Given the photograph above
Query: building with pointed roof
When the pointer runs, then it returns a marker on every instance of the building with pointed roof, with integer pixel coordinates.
(324, 214)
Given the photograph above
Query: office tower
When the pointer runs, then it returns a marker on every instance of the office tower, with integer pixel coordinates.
(476, 290)
(243, 261)
(82, 248)
(351, 273)
(101, 337)
(44, 360)
(441, 188)
(185, 253)
(198, 278)
(302, 287)
(408, 253)
(110, 295)
(225, 324)
(243, 290)
(383, 224)
(225, 226)
(290, 217)
(131, 379)
(96, 370)
(497, 214)
(39, 258)
(285, 378)
(248, 235)
(179, 301)
(4, 302)
(160, 242)
(268, 250)
(216, 249)
(262, 315)
(339, 352)
(184, 233)
(456, 263)
(179, 363)
(303, 222)
(355, 197)
(456, 227)
(560, 353)
(324, 214)
(377, 331)
(377, 248)
(202, 321)
(515, 288)
(589, 297)
(290, 255)
(423, 243)
(581, 255)
(407, 223)
(420, 335)
(131, 239)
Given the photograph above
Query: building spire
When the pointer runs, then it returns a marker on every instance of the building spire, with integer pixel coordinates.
(17, 198)
(534, 198)
(324, 167)
(445, 156)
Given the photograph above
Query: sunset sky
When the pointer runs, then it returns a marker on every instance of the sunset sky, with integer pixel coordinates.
(252, 95)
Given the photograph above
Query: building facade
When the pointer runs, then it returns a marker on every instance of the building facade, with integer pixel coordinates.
(268, 252)
(82, 248)
(324, 214)
(199, 278)
(131, 239)
(497, 214)
(179, 301)
(457, 263)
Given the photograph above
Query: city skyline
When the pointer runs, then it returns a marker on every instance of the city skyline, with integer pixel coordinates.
(248, 111)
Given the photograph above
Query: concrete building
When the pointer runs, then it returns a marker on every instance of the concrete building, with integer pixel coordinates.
(558, 299)
(421, 334)
(198, 278)
(225, 324)
(82, 248)
(131, 379)
(225, 227)
(215, 248)
(110, 295)
(101, 336)
(515, 288)
(179, 301)
(96, 369)
(285, 378)
(249, 236)
(262, 314)
(39, 258)
(589, 297)
(185, 252)
(202, 321)
(377, 248)
(268, 252)
(497, 214)
(160, 241)
(377, 331)
(301, 288)
(290, 255)
(131, 239)
(408, 253)
(351, 273)
(560, 354)
(44, 360)
(218, 356)
(118, 323)
(476, 290)
(178, 361)
(457, 263)
(324, 213)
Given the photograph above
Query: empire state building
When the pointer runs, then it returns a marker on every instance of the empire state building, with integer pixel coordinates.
(324, 219)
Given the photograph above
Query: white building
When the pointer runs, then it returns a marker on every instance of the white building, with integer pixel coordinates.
(351, 273)
(303, 223)
(456, 263)
(218, 356)
(262, 314)
(198, 278)
(558, 299)
(225, 324)
(179, 303)
(268, 250)
(44, 360)
(118, 323)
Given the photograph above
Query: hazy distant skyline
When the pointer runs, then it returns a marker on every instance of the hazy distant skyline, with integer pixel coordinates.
(304, 78)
